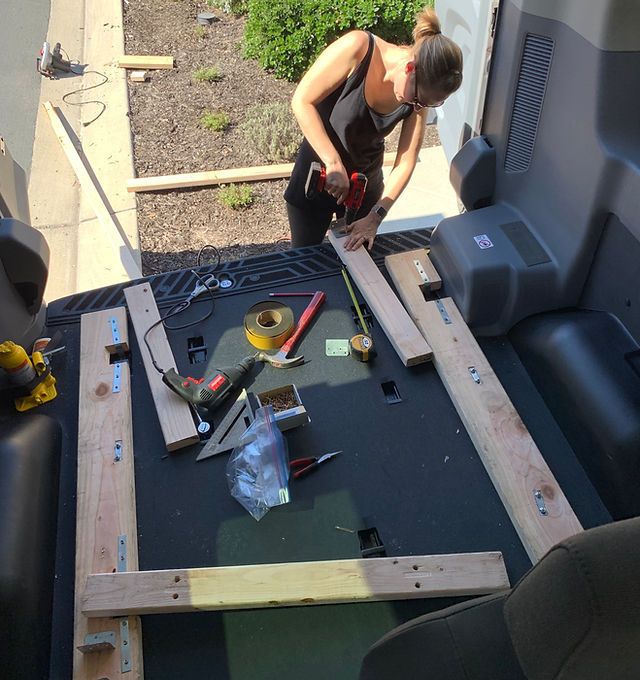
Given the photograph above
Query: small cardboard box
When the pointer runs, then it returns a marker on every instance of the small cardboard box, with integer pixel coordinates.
(288, 418)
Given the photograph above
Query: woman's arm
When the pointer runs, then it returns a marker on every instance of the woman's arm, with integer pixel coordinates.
(331, 68)
(364, 230)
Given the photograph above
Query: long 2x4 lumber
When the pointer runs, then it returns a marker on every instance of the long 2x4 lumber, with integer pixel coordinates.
(206, 178)
(145, 62)
(106, 528)
(514, 463)
(398, 326)
(91, 192)
(294, 584)
(174, 414)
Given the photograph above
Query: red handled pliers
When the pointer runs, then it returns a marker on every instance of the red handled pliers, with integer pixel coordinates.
(303, 466)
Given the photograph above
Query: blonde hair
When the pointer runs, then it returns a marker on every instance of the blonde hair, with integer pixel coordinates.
(438, 58)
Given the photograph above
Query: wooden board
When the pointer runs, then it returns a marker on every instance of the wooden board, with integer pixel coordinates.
(294, 584)
(509, 454)
(408, 259)
(406, 339)
(106, 506)
(210, 177)
(90, 191)
(138, 76)
(174, 414)
(144, 62)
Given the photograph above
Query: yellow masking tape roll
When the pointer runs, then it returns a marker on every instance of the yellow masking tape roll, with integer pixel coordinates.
(268, 325)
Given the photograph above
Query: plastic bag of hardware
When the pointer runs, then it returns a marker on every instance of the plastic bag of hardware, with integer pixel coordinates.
(258, 469)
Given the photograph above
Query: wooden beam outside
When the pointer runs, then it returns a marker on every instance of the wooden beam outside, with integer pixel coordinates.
(144, 62)
(398, 326)
(106, 506)
(174, 413)
(512, 459)
(90, 190)
(294, 584)
(256, 173)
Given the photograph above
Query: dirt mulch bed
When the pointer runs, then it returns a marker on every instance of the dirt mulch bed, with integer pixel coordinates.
(168, 139)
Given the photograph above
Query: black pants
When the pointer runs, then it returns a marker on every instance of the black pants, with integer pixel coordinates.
(309, 226)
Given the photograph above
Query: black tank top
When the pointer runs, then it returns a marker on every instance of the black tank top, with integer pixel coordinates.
(356, 131)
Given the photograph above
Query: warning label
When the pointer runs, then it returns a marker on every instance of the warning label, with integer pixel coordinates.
(483, 241)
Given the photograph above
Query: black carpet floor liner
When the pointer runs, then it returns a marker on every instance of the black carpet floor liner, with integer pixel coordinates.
(408, 469)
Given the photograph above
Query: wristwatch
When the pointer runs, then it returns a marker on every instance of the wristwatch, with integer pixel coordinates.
(379, 211)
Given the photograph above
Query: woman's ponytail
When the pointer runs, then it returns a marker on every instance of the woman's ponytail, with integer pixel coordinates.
(427, 24)
(438, 58)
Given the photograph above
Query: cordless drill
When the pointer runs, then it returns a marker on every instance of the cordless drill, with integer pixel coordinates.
(213, 388)
(317, 178)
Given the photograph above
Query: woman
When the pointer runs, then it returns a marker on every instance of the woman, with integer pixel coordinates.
(351, 98)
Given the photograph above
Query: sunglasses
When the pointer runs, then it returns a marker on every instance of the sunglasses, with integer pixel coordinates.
(416, 103)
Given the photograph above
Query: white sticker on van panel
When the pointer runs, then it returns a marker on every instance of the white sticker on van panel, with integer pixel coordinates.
(483, 241)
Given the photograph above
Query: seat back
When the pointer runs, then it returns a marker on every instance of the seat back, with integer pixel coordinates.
(576, 614)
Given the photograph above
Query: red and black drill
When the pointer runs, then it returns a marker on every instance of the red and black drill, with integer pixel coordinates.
(317, 178)
(211, 390)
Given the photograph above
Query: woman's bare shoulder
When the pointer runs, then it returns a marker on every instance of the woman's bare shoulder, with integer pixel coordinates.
(354, 42)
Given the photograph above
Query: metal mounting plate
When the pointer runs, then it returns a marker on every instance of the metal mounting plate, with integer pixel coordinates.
(336, 348)
(98, 642)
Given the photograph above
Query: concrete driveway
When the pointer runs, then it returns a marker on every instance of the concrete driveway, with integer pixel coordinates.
(23, 28)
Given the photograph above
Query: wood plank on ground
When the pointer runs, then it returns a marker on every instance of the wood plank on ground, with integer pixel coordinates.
(512, 459)
(398, 326)
(174, 414)
(294, 584)
(90, 191)
(106, 507)
(255, 173)
(138, 61)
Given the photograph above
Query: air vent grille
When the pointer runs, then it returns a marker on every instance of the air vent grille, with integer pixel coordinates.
(527, 105)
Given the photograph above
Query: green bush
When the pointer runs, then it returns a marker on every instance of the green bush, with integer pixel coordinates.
(207, 74)
(216, 121)
(272, 130)
(200, 32)
(236, 196)
(286, 37)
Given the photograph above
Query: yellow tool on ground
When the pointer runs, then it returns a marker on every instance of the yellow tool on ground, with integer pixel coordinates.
(360, 345)
(30, 376)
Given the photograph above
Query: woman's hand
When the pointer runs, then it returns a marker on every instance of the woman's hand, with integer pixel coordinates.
(361, 232)
(337, 181)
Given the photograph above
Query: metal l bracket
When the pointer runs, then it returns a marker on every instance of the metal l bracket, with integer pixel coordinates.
(117, 373)
(115, 332)
(422, 273)
(117, 451)
(475, 375)
(539, 498)
(125, 647)
(98, 642)
(122, 553)
(443, 312)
